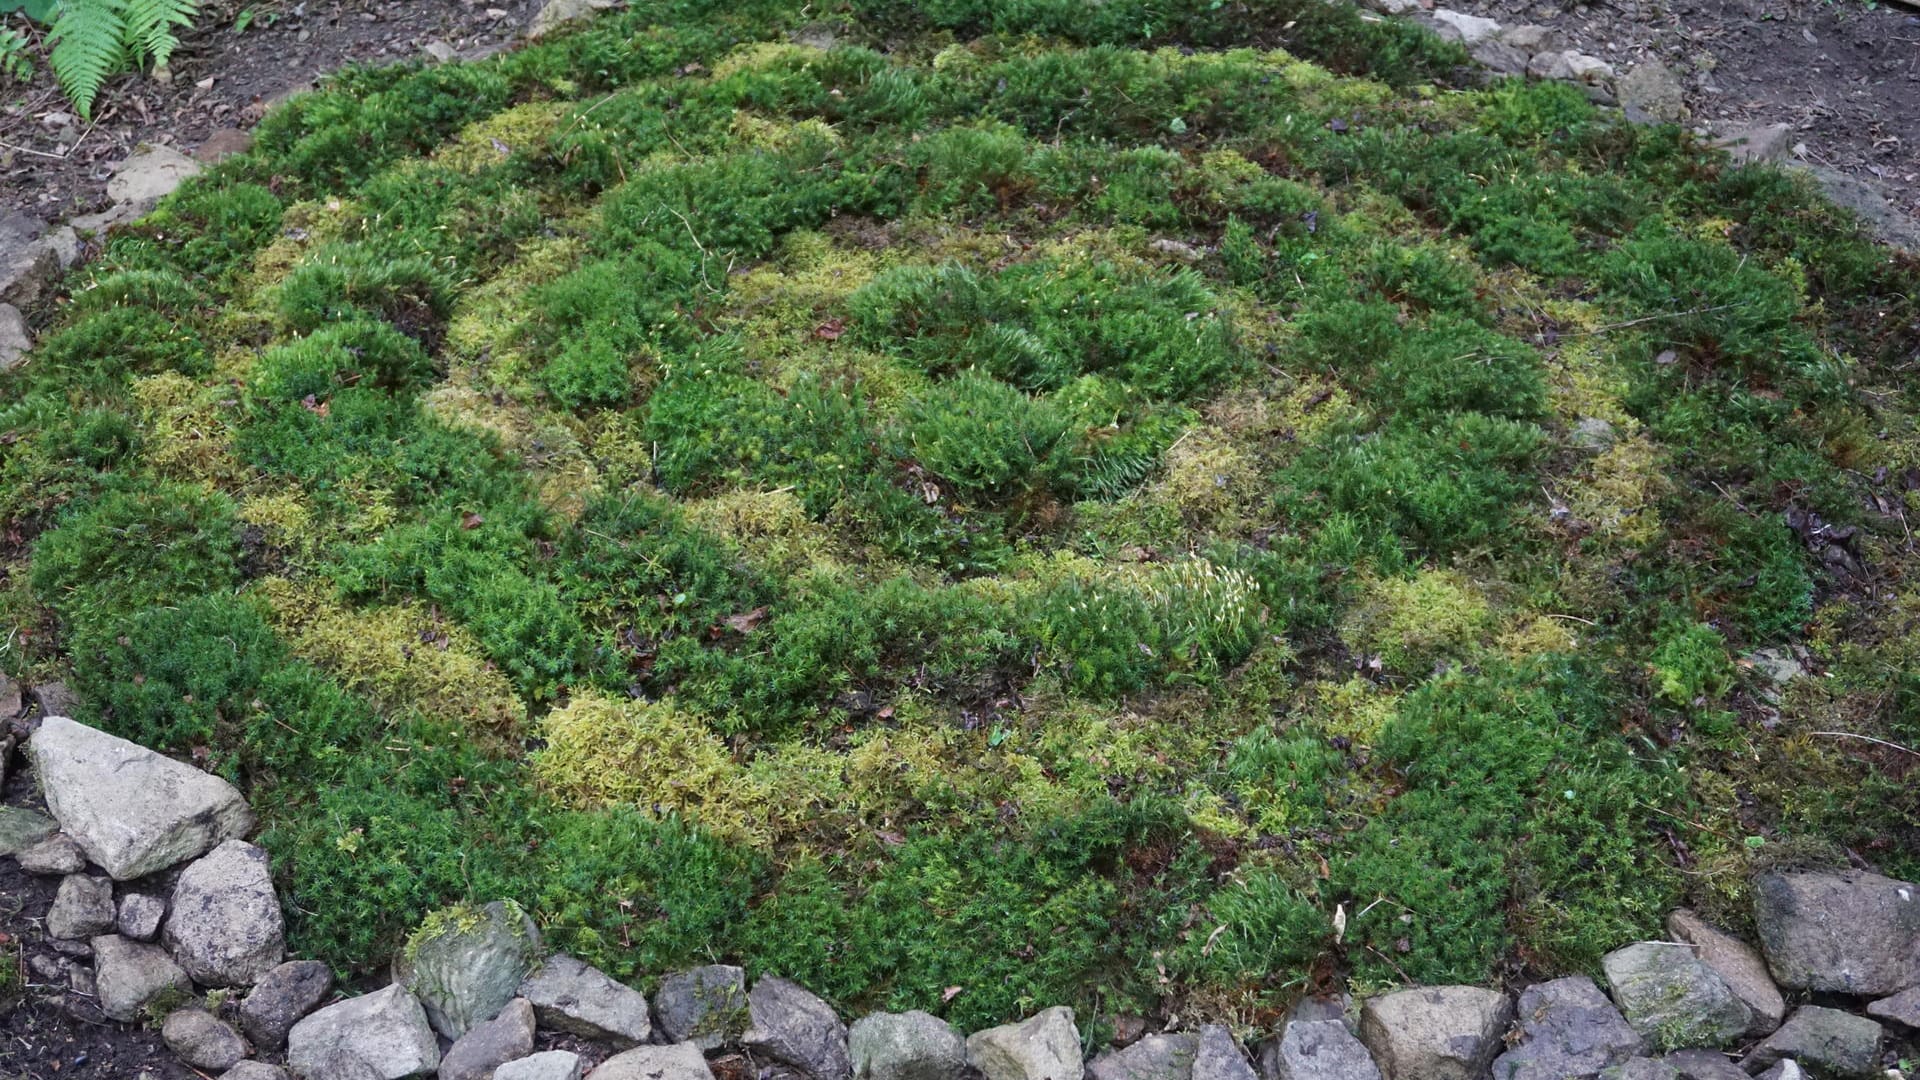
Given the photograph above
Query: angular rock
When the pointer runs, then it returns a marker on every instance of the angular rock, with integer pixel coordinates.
(1045, 1046)
(1589, 69)
(1567, 1028)
(1887, 222)
(55, 698)
(386, 1029)
(1533, 38)
(1219, 1057)
(1672, 998)
(704, 1005)
(1551, 66)
(28, 264)
(222, 143)
(1756, 143)
(681, 1061)
(21, 829)
(558, 13)
(57, 854)
(1849, 933)
(905, 1046)
(225, 925)
(281, 997)
(548, 1065)
(202, 1040)
(1902, 1009)
(1651, 94)
(1436, 1033)
(788, 1024)
(1830, 1042)
(1704, 1065)
(568, 995)
(465, 965)
(340, 1065)
(83, 908)
(1154, 1057)
(1640, 1068)
(256, 1070)
(139, 916)
(128, 975)
(487, 1046)
(1736, 962)
(1500, 58)
(149, 174)
(1317, 1050)
(14, 338)
(1459, 26)
(133, 811)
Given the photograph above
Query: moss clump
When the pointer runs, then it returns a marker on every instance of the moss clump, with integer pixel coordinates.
(1411, 624)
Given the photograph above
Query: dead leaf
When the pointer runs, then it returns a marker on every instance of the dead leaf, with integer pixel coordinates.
(830, 330)
(949, 994)
(746, 622)
(472, 520)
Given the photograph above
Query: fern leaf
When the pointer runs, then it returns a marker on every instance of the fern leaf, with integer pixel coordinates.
(89, 43)
(150, 26)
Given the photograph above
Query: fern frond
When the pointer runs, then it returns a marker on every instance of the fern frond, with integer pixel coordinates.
(89, 43)
(150, 26)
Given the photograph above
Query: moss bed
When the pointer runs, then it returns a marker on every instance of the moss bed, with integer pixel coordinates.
(1032, 503)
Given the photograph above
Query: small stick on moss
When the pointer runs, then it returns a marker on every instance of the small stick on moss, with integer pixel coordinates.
(1652, 318)
(1868, 738)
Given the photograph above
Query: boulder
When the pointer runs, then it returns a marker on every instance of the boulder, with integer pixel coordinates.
(281, 997)
(386, 1029)
(1459, 26)
(133, 811)
(1704, 1065)
(1738, 963)
(568, 995)
(1849, 933)
(127, 975)
(547, 1065)
(1500, 58)
(1435, 1033)
(83, 908)
(1154, 1057)
(1831, 1042)
(905, 1046)
(57, 854)
(706, 1005)
(256, 1070)
(465, 964)
(680, 1061)
(224, 925)
(558, 13)
(1219, 1057)
(1673, 999)
(1902, 1009)
(202, 1040)
(1317, 1050)
(788, 1024)
(1640, 1068)
(1651, 94)
(340, 1065)
(487, 1046)
(1567, 1027)
(1588, 69)
(1045, 1046)
(139, 916)
(21, 829)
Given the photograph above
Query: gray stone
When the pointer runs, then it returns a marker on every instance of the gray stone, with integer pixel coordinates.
(1640, 1068)
(1317, 1050)
(133, 811)
(680, 1061)
(1736, 962)
(1459, 26)
(221, 144)
(281, 997)
(1589, 69)
(705, 1005)
(1045, 1046)
(1849, 933)
(1829, 1041)
(488, 1045)
(567, 995)
(1436, 1033)
(438, 51)
(1672, 998)
(150, 174)
(1883, 219)
(1219, 1056)
(21, 829)
(1533, 38)
(256, 1070)
(1704, 1065)
(1551, 66)
(1651, 94)
(224, 925)
(1785, 1069)
(1902, 1009)
(29, 265)
(139, 916)
(1593, 435)
(547, 1065)
(1154, 1057)
(1500, 57)
(791, 1025)
(1567, 1028)
(340, 1065)
(202, 1040)
(386, 1029)
(1757, 143)
(83, 908)
(465, 964)
(57, 854)
(128, 975)
(54, 698)
(905, 1046)
(14, 338)
(558, 13)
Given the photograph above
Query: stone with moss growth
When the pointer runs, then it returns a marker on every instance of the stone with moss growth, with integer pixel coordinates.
(706, 1006)
(129, 976)
(1850, 932)
(465, 964)
(1671, 998)
(1045, 1046)
(1830, 1041)
(21, 828)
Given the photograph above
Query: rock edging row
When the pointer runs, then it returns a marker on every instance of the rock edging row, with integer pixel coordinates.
(475, 989)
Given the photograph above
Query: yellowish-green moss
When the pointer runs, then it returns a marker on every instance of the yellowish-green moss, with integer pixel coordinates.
(186, 428)
(520, 131)
(1413, 623)
(1210, 480)
(771, 528)
(1614, 495)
